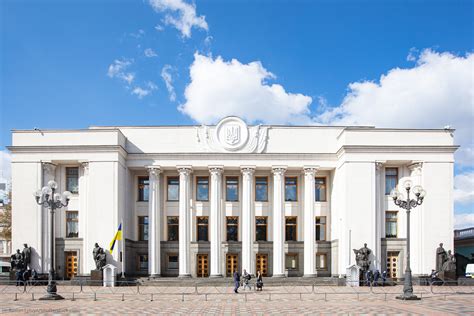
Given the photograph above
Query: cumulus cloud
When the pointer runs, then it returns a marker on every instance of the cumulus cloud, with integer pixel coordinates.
(141, 92)
(463, 221)
(150, 53)
(168, 79)
(464, 188)
(180, 14)
(220, 88)
(118, 70)
(5, 165)
(436, 92)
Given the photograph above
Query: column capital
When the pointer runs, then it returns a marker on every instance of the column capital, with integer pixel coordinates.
(279, 170)
(379, 164)
(247, 170)
(184, 170)
(153, 170)
(310, 170)
(216, 170)
(415, 167)
(49, 167)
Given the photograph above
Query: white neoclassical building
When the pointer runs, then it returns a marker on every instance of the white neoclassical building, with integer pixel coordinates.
(206, 200)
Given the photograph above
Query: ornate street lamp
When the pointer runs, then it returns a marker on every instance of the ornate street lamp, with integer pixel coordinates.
(49, 199)
(408, 204)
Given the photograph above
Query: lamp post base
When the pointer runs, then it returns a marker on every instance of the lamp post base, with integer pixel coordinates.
(51, 297)
(408, 297)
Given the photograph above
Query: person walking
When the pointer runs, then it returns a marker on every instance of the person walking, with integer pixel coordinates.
(236, 281)
(259, 282)
(246, 278)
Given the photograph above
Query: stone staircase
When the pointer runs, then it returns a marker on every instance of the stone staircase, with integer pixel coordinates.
(268, 281)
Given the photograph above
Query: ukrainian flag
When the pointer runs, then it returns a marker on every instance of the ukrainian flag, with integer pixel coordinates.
(118, 236)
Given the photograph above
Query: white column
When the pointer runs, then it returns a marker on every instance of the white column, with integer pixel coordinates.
(309, 221)
(417, 223)
(248, 219)
(379, 214)
(184, 221)
(86, 257)
(154, 216)
(278, 221)
(49, 173)
(216, 220)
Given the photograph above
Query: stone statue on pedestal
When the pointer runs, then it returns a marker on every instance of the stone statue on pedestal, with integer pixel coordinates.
(99, 256)
(26, 254)
(441, 257)
(450, 264)
(362, 257)
(16, 261)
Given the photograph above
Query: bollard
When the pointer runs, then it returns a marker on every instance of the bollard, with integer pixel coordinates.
(300, 297)
(123, 297)
(32, 296)
(269, 296)
(385, 296)
(151, 297)
(138, 288)
(421, 295)
(313, 288)
(357, 296)
(325, 297)
(245, 297)
(95, 296)
(205, 297)
(182, 297)
(195, 288)
(73, 299)
(81, 287)
(16, 297)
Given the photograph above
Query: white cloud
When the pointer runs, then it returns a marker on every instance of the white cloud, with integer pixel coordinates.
(463, 221)
(220, 88)
(118, 70)
(150, 53)
(168, 79)
(143, 92)
(139, 34)
(5, 165)
(436, 92)
(464, 188)
(159, 28)
(180, 14)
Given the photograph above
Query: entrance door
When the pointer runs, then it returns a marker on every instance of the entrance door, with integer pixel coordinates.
(202, 265)
(392, 264)
(71, 264)
(232, 264)
(262, 263)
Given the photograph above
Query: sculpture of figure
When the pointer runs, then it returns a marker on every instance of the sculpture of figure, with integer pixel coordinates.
(26, 253)
(440, 257)
(99, 256)
(450, 264)
(362, 257)
(16, 260)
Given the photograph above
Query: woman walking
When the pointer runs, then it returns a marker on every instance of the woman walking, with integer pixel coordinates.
(259, 282)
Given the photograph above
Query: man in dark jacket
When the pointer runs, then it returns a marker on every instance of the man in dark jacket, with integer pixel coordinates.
(236, 281)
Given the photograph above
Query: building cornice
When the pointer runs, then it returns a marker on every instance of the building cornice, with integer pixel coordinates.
(68, 149)
(395, 149)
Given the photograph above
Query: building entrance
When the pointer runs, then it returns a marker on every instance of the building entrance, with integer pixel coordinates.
(232, 264)
(392, 264)
(71, 264)
(262, 263)
(202, 265)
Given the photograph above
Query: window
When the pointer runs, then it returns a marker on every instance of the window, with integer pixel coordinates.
(320, 227)
(72, 179)
(290, 189)
(291, 261)
(143, 188)
(391, 179)
(290, 228)
(261, 228)
(232, 228)
(173, 261)
(261, 189)
(321, 261)
(142, 228)
(202, 228)
(391, 219)
(202, 189)
(232, 189)
(320, 188)
(173, 189)
(173, 228)
(72, 224)
(143, 262)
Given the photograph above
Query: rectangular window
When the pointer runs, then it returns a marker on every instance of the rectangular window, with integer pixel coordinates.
(202, 228)
(143, 188)
(173, 228)
(321, 261)
(202, 189)
(391, 179)
(391, 219)
(291, 261)
(320, 187)
(291, 189)
(173, 262)
(321, 228)
(232, 189)
(72, 224)
(290, 228)
(261, 189)
(232, 228)
(143, 262)
(72, 179)
(173, 189)
(261, 228)
(142, 228)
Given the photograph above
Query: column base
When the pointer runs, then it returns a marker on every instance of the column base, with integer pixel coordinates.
(311, 275)
(154, 276)
(212, 276)
(406, 297)
(184, 276)
(51, 297)
(278, 276)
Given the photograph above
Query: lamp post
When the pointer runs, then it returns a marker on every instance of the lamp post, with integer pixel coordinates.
(51, 200)
(408, 204)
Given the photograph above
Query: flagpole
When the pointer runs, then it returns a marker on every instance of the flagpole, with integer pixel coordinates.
(123, 250)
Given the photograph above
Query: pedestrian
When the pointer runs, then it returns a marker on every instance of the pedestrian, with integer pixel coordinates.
(384, 277)
(19, 277)
(376, 277)
(259, 282)
(236, 281)
(246, 278)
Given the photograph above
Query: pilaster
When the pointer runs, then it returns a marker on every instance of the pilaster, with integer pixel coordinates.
(216, 220)
(278, 221)
(309, 221)
(154, 216)
(248, 219)
(184, 220)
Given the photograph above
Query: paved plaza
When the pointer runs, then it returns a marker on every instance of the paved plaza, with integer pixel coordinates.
(220, 300)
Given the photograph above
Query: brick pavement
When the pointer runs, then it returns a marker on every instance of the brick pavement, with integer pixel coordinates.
(277, 300)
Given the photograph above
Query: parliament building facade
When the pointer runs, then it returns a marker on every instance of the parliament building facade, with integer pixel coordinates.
(204, 201)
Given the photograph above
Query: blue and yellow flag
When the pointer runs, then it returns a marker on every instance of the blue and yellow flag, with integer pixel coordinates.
(118, 236)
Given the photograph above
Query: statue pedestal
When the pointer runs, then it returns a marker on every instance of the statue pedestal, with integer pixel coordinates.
(447, 276)
(96, 277)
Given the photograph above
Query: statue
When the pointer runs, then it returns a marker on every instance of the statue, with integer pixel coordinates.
(450, 264)
(16, 261)
(440, 257)
(99, 256)
(26, 253)
(362, 257)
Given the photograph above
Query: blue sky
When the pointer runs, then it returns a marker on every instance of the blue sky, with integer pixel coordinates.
(70, 64)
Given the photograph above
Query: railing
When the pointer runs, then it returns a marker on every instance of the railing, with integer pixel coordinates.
(282, 291)
(464, 233)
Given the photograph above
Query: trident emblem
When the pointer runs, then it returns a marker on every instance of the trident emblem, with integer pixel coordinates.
(232, 134)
